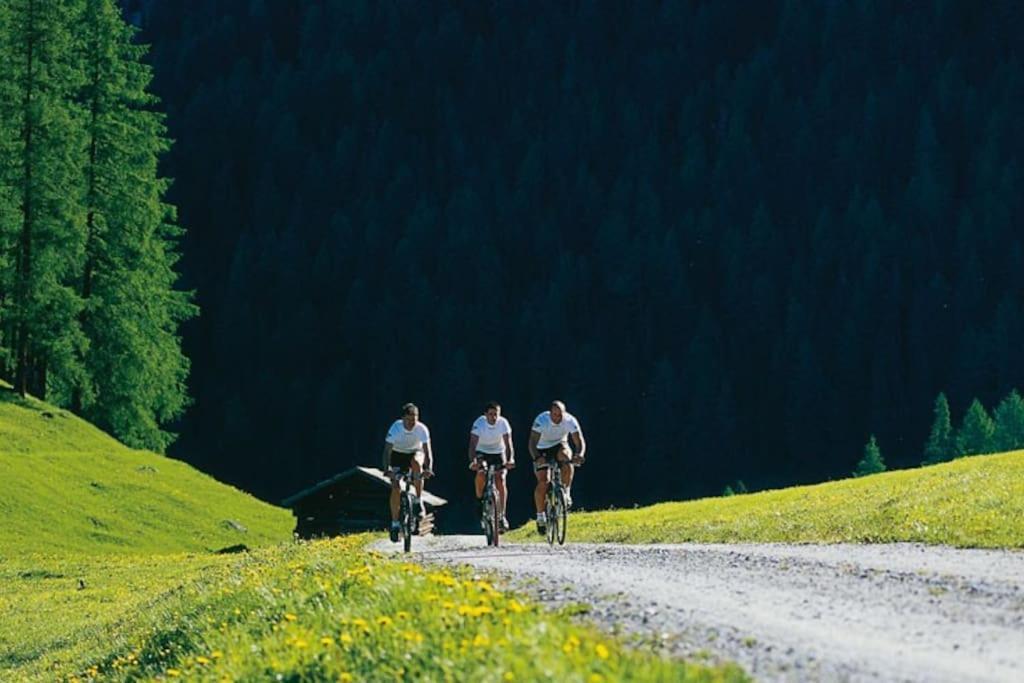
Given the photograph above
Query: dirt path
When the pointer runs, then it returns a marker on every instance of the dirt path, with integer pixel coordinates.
(790, 613)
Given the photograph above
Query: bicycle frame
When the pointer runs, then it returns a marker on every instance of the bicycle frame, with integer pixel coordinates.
(408, 520)
(490, 513)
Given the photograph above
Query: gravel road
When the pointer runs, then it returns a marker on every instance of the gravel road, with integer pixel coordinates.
(786, 613)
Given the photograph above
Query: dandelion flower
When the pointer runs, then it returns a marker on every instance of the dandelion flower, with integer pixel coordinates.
(601, 650)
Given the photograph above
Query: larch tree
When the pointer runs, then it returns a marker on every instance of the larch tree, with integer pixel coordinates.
(135, 370)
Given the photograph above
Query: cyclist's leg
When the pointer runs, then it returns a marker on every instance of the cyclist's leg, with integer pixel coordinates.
(401, 461)
(565, 464)
(416, 465)
(502, 486)
(540, 469)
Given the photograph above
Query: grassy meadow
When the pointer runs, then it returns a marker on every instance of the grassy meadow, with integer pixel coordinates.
(971, 502)
(107, 573)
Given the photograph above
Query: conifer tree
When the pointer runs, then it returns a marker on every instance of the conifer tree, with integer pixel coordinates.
(41, 166)
(975, 434)
(872, 462)
(941, 445)
(1009, 423)
(135, 370)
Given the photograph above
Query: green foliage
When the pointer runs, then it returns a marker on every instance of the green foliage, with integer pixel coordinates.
(318, 611)
(1009, 423)
(135, 368)
(970, 502)
(872, 462)
(975, 435)
(42, 149)
(941, 445)
(68, 487)
(90, 314)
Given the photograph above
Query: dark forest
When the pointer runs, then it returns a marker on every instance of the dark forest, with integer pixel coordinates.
(736, 238)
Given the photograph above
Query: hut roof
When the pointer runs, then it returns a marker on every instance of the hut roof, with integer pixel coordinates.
(372, 474)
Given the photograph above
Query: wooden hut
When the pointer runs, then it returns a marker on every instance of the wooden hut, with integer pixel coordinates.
(355, 500)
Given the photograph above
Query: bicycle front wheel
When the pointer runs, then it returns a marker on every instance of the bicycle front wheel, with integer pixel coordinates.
(562, 515)
(552, 515)
(407, 524)
(494, 522)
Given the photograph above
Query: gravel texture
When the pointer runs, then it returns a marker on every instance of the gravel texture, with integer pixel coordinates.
(896, 612)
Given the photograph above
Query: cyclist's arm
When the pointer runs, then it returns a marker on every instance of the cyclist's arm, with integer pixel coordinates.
(386, 460)
(473, 441)
(580, 443)
(428, 457)
(510, 453)
(534, 439)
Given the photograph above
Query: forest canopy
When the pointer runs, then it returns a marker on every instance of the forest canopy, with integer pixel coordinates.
(736, 238)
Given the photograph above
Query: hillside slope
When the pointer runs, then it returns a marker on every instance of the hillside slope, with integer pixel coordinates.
(971, 502)
(68, 486)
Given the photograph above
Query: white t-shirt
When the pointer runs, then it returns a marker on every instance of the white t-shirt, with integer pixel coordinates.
(552, 434)
(491, 436)
(408, 441)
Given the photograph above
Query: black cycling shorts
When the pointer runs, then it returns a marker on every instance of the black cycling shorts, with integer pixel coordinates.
(550, 455)
(496, 459)
(403, 461)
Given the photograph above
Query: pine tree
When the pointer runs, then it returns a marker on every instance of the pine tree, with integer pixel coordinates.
(1009, 424)
(872, 462)
(941, 445)
(42, 131)
(135, 370)
(975, 434)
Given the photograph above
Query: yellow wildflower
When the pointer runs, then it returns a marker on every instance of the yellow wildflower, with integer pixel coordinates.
(595, 678)
(202, 661)
(402, 615)
(173, 673)
(345, 677)
(300, 644)
(216, 654)
(384, 621)
(514, 606)
(290, 617)
(327, 641)
(509, 676)
(481, 640)
(346, 639)
(601, 650)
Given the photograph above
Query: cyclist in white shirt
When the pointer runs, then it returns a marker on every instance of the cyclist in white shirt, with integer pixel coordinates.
(549, 444)
(407, 447)
(490, 442)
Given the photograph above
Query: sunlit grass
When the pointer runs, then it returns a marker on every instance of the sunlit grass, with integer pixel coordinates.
(67, 486)
(972, 502)
(296, 612)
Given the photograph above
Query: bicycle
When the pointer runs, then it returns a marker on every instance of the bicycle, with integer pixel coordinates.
(490, 509)
(555, 507)
(408, 506)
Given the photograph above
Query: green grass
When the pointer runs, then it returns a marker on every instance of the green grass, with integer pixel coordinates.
(67, 486)
(106, 574)
(295, 612)
(971, 502)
